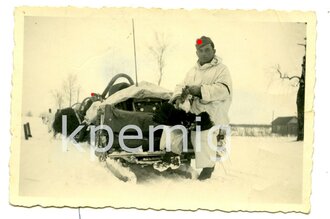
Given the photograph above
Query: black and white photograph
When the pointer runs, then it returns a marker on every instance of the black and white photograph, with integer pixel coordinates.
(163, 109)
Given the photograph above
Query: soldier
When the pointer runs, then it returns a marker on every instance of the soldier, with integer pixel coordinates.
(209, 82)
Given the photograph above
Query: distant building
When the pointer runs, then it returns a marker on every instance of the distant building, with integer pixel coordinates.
(251, 129)
(285, 125)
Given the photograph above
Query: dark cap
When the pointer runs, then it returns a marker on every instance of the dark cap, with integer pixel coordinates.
(200, 42)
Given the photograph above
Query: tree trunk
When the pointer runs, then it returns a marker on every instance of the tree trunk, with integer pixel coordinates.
(301, 103)
(160, 76)
(301, 111)
(70, 97)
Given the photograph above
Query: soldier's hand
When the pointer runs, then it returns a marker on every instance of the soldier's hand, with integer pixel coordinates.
(178, 101)
(195, 90)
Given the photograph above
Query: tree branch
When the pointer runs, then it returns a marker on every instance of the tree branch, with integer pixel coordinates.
(284, 76)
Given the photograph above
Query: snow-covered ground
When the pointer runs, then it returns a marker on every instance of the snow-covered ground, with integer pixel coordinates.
(267, 170)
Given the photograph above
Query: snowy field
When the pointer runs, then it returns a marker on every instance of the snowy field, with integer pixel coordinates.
(267, 170)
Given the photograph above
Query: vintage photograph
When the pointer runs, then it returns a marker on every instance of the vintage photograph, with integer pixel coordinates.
(163, 109)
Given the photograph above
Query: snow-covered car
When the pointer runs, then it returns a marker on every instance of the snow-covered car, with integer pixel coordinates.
(119, 124)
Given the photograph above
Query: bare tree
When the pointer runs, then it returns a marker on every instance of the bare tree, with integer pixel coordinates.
(78, 93)
(70, 87)
(158, 51)
(58, 98)
(300, 101)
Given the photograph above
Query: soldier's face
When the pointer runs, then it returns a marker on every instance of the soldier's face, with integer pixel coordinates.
(205, 54)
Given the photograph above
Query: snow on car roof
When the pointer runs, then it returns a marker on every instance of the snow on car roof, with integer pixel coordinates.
(144, 90)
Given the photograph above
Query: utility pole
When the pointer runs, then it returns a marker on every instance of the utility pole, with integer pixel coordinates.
(136, 77)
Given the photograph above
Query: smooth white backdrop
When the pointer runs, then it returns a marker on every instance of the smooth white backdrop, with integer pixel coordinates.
(320, 198)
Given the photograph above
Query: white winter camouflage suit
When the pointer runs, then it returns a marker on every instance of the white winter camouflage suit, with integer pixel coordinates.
(216, 89)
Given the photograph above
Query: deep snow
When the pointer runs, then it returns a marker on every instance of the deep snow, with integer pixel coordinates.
(260, 169)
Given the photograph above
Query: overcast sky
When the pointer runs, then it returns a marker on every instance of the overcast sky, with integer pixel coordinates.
(97, 47)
